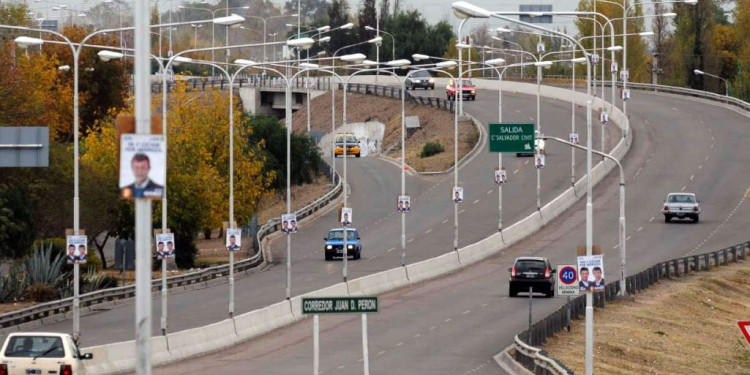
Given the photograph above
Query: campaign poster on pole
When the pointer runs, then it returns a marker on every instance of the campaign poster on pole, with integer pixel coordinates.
(613, 67)
(604, 117)
(591, 273)
(346, 216)
(77, 249)
(539, 161)
(165, 246)
(404, 203)
(234, 239)
(143, 169)
(289, 223)
(501, 176)
(626, 94)
(458, 194)
(574, 138)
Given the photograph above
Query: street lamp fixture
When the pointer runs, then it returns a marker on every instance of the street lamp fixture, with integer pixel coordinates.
(446, 64)
(543, 64)
(377, 39)
(464, 10)
(698, 72)
(369, 63)
(578, 60)
(356, 58)
(232, 20)
(402, 63)
(614, 48)
(324, 39)
(503, 30)
(181, 60)
(673, 14)
(495, 61)
(324, 29)
(26, 42)
(646, 33)
(245, 62)
(346, 26)
(419, 57)
(463, 45)
(63, 68)
(109, 55)
(304, 43)
(308, 65)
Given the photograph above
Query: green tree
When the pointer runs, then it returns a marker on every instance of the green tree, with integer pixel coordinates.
(338, 14)
(366, 16)
(693, 46)
(742, 27)
(16, 222)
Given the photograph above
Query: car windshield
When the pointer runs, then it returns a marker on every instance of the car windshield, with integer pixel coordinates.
(530, 265)
(678, 198)
(339, 235)
(421, 74)
(350, 140)
(35, 346)
(467, 82)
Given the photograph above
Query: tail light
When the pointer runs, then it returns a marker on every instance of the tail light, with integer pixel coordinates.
(546, 273)
(666, 208)
(513, 272)
(695, 209)
(66, 370)
(3, 369)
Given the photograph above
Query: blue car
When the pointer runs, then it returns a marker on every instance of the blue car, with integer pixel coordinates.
(334, 246)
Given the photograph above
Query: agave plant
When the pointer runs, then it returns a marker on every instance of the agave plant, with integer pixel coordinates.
(96, 281)
(12, 285)
(40, 268)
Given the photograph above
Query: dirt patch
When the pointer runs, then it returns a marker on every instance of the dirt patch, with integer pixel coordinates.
(686, 326)
(436, 125)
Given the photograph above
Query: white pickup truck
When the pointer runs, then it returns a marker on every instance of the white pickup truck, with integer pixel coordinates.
(682, 206)
(41, 353)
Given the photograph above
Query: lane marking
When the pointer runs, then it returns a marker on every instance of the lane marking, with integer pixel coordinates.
(706, 158)
(448, 320)
(465, 312)
(416, 335)
(675, 109)
(616, 246)
(399, 344)
(712, 145)
(647, 122)
(712, 139)
(340, 367)
(476, 201)
(382, 352)
(516, 171)
(747, 193)
(526, 163)
(639, 229)
(433, 328)
(628, 239)
(485, 304)
(428, 231)
(518, 111)
(462, 211)
(683, 188)
(700, 167)
(373, 257)
(391, 249)
(651, 219)
(445, 221)
(692, 176)
(489, 191)
(409, 240)
(531, 118)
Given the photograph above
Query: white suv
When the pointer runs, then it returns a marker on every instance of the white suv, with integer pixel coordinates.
(41, 353)
(682, 206)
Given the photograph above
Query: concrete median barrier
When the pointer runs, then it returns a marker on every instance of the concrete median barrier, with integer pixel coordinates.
(521, 229)
(261, 321)
(377, 283)
(557, 206)
(120, 357)
(480, 250)
(434, 267)
(201, 340)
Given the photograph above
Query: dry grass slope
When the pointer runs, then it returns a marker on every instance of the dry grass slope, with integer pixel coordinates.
(678, 327)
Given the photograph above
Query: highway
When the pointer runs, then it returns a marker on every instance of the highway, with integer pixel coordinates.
(374, 185)
(453, 325)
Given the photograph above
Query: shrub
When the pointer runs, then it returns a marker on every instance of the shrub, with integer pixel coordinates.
(431, 148)
(12, 285)
(41, 293)
(94, 281)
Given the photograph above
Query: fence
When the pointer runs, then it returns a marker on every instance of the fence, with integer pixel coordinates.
(536, 359)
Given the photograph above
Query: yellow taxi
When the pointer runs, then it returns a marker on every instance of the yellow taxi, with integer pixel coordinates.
(352, 145)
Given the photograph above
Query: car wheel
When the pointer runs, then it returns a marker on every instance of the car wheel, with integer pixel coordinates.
(667, 218)
(696, 219)
(358, 255)
(473, 98)
(550, 293)
(512, 292)
(329, 256)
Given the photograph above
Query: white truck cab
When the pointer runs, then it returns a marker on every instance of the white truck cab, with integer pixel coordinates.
(41, 353)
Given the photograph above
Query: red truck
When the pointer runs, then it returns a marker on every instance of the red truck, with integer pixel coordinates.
(468, 90)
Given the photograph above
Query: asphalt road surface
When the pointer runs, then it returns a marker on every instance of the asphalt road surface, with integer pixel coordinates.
(374, 185)
(453, 325)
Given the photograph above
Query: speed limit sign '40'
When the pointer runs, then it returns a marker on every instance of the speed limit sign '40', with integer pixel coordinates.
(567, 280)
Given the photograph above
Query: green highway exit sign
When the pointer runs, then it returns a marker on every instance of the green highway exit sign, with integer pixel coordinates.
(339, 305)
(512, 138)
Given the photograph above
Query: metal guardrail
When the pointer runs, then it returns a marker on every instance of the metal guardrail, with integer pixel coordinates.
(536, 360)
(62, 306)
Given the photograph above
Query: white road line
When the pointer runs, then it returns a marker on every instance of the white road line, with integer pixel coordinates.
(616, 246)
(462, 211)
(628, 239)
(465, 312)
(433, 328)
(340, 367)
(485, 304)
(647, 122)
(692, 176)
(706, 158)
(683, 188)
(445, 221)
(516, 171)
(651, 219)
(675, 109)
(703, 122)
(489, 191)
(639, 229)
(712, 145)
(712, 139)
(416, 335)
(448, 320)
(391, 249)
(399, 344)
(428, 231)
(373, 257)
(409, 240)
(531, 118)
(526, 162)
(476, 201)
(382, 352)
(700, 167)
(518, 111)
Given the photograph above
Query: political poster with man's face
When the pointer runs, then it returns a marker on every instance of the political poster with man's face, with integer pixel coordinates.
(626, 94)
(501, 176)
(234, 239)
(143, 170)
(458, 194)
(613, 67)
(574, 138)
(77, 247)
(404, 203)
(539, 161)
(591, 273)
(289, 223)
(346, 215)
(604, 117)
(165, 246)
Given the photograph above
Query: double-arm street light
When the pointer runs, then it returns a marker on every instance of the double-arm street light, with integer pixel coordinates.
(213, 30)
(265, 31)
(393, 41)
